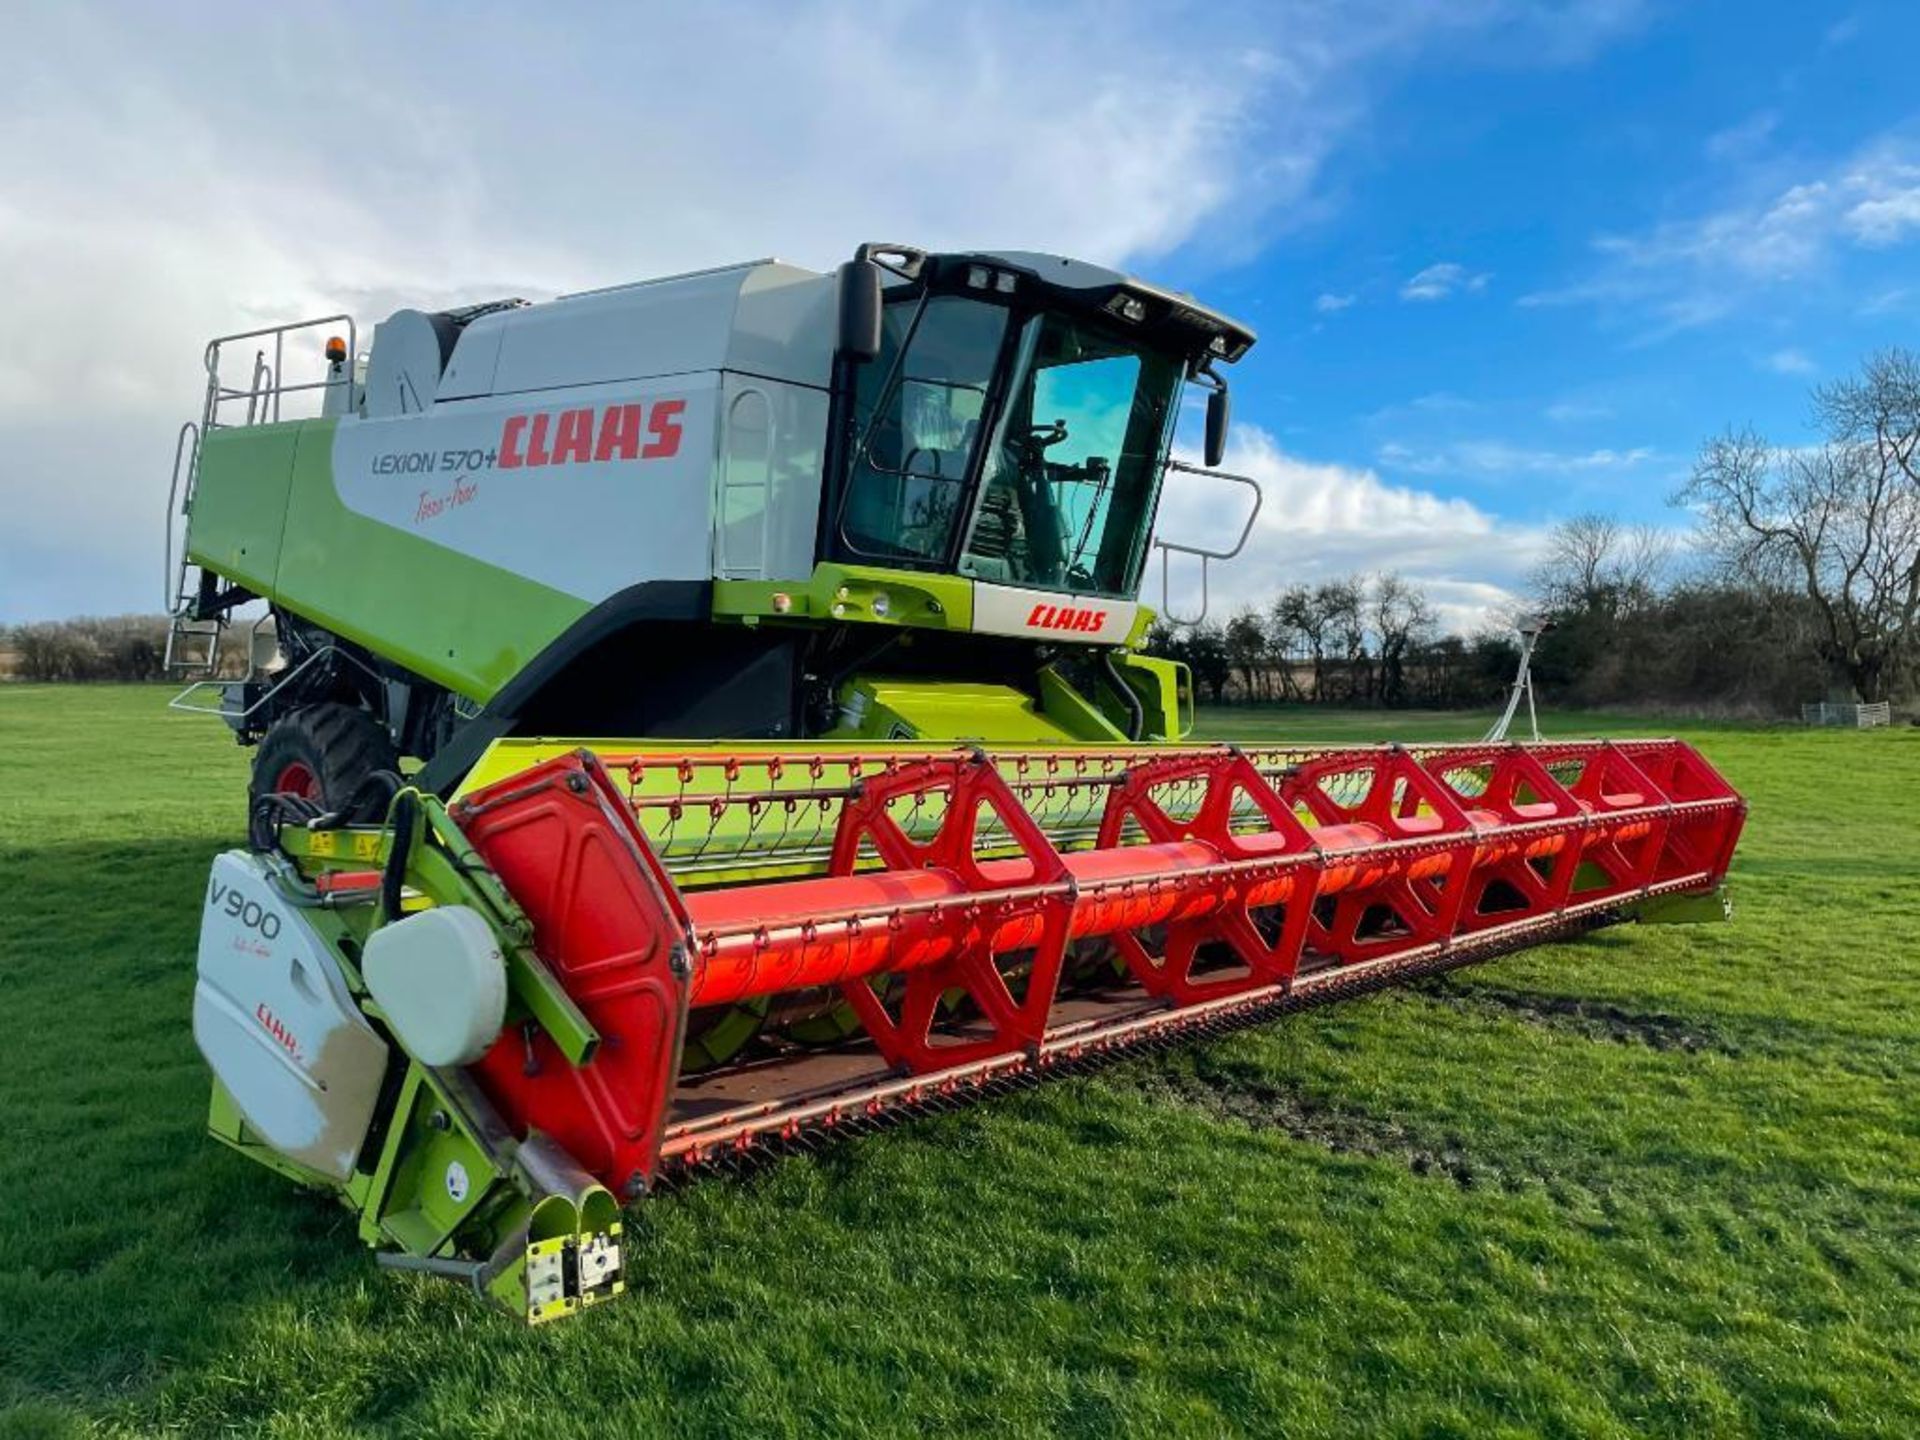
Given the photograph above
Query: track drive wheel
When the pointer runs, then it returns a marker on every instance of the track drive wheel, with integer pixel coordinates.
(321, 753)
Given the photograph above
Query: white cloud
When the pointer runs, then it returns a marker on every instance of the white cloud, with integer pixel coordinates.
(1738, 141)
(1841, 31)
(1329, 303)
(1887, 218)
(162, 181)
(1790, 362)
(1421, 407)
(1573, 412)
(1500, 458)
(1774, 241)
(1692, 272)
(1440, 402)
(1440, 281)
(1320, 520)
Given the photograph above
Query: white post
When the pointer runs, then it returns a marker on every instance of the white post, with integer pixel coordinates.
(1529, 629)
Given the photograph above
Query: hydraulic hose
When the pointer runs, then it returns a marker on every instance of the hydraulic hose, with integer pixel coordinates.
(406, 808)
(1136, 712)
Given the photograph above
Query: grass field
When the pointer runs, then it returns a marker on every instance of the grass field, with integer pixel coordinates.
(1657, 1182)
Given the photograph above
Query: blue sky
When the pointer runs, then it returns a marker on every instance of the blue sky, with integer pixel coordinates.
(1509, 259)
(1619, 256)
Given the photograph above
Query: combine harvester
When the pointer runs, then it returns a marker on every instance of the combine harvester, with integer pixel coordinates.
(899, 812)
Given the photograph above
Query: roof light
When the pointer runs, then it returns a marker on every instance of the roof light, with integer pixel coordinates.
(1004, 282)
(1218, 345)
(978, 276)
(336, 349)
(1128, 307)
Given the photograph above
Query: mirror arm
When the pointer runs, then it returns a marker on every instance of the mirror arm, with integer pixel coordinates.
(1217, 412)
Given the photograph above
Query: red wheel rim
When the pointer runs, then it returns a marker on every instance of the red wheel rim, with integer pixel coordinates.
(296, 777)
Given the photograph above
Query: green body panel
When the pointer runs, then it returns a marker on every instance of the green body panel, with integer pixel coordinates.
(846, 593)
(1165, 689)
(1073, 712)
(457, 621)
(873, 708)
(238, 513)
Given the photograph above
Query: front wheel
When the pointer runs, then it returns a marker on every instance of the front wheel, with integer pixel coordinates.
(322, 753)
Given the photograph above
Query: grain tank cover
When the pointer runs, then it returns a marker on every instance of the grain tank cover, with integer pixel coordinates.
(763, 318)
(410, 349)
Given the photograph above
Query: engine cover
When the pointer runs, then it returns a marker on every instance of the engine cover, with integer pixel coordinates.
(275, 1020)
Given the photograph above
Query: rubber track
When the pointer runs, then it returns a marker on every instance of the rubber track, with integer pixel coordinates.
(740, 1161)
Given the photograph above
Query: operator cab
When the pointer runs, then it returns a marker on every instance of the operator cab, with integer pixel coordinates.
(1012, 422)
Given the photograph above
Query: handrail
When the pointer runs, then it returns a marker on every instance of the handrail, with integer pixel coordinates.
(264, 393)
(1168, 548)
(176, 580)
(182, 701)
(266, 386)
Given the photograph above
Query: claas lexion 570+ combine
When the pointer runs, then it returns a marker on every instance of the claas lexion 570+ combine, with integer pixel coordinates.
(899, 812)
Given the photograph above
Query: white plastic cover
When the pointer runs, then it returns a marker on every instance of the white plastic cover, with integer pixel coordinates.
(274, 1018)
(1050, 615)
(440, 981)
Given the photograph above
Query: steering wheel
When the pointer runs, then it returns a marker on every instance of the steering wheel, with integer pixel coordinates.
(1045, 437)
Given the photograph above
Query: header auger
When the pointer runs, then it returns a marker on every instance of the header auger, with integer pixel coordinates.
(903, 814)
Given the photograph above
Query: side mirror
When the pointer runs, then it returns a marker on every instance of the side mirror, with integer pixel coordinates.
(860, 310)
(1216, 425)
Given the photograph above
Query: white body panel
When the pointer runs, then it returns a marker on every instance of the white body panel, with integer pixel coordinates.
(772, 454)
(1050, 615)
(492, 479)
(509, 463)
(764, 318)
(729, 369)
(274, 1018)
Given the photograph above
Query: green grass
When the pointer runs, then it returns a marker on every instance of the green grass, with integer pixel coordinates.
(1656, 1182)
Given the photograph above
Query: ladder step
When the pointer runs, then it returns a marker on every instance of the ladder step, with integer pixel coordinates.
(193, 646)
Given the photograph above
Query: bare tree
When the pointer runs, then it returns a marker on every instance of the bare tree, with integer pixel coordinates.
(1246, 641)
(1285, 646)
(1402, 620)
(1839, 522)
(1580, 554)
(1643, 561)
(123, 647)
(1595, 564)
(1342, 606)
(1297, 613)
(1206, 652)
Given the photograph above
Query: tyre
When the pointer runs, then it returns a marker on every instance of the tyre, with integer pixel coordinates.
(321, 753)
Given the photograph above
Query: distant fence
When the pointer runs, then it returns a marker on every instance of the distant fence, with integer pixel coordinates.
(1847, 717)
